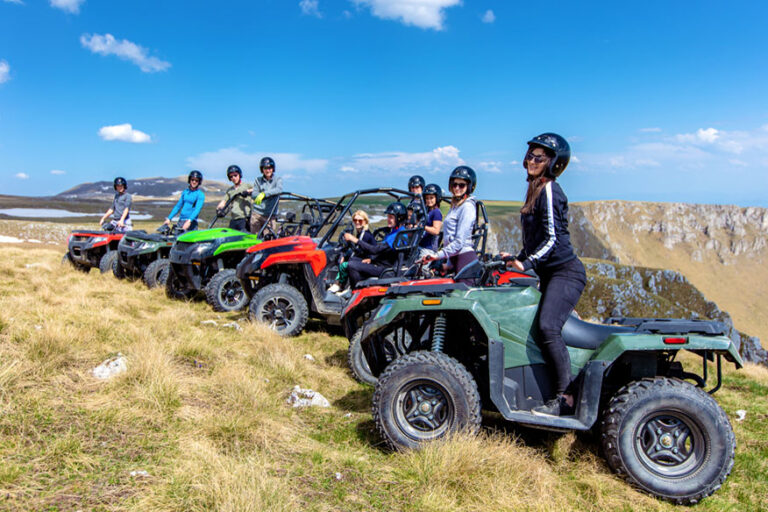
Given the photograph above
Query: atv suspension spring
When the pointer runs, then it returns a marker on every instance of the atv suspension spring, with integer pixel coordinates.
(438, 333)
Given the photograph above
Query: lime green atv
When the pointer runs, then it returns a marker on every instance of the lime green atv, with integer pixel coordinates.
(470, 348)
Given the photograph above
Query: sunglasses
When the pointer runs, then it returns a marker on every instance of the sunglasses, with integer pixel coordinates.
(358, 220)
(194, 179)
(459, 184)
(537, 159)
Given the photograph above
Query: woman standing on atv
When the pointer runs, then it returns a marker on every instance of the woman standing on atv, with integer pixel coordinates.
(121, 207)
(240, 206)
(383, 255)
(459, 222)
(190, 203)
(547, 249)
(361, 223)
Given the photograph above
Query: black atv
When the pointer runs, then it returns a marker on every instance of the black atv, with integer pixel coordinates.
(146, 254)
(89, 249)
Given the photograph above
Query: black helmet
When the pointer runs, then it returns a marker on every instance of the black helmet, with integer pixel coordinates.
(434, 190)
(560, 152)
(234, 169)
(120, 181)
(416, 181)
(465, 173)
(266, 162)
(398, 210)
(195, 174)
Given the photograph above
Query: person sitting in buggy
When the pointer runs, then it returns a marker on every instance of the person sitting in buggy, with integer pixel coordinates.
(383, 254)
(358, 252)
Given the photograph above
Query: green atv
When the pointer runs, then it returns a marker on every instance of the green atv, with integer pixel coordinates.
(205, 261)
(145, 255)
(471, 348)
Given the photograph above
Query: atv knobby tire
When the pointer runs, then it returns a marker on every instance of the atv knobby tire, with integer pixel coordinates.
(107, 261)
(224, 291)
(156, 273)
(669, 438)
(173, 287)
(421, 397)
(118, 270)
(358, 362)
(282, 307)
(67, 260)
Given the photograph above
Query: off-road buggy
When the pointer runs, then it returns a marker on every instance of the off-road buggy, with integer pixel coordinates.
(88, 249)
(206, 260)
(146, 254)
(473, 348)
(287, 279)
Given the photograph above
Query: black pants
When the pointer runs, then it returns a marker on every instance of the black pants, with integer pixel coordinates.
(459, 261)
(359, 271)
(239, 225)
(561, 288)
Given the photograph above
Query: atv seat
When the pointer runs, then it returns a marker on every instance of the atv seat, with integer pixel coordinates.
(580, 334)
(381, 281)
(406, 245)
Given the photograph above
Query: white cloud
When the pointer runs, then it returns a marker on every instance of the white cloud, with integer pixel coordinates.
(347, 168)
(21, 175)
(440, 159)
(126, 50)
(310, 8)
(124, 133)
(72, 6)
(706, 136)
(5, 71)
(653, 129)
(491, 166)
(420, 13)
(58, 172)
(488, 17)
(218, 161)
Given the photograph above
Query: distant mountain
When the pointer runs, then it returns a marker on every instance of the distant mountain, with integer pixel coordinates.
(147, 188)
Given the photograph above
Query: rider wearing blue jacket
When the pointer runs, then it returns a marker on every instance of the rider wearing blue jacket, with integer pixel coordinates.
(190, 203)
(383, 254)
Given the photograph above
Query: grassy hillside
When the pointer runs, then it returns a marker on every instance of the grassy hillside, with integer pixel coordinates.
(202, 410)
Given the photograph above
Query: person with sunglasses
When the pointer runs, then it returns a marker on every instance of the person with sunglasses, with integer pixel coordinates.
(357, 253)
(547, 250)
(240, 207)
(459, 221)
(265, 194)
(190, 203)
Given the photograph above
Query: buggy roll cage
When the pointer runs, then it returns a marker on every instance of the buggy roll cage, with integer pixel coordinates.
(344, 207)
(311, 213)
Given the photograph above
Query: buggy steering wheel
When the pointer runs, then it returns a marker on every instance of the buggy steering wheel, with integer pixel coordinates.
(348, 228)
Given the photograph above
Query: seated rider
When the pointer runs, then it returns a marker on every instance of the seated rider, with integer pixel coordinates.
(361, 222)
(383, 254)
(434, 220)
(416, 187)
(190, 203)
(120, 211)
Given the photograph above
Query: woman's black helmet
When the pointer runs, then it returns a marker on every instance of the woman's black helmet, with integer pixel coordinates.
(434, 190)
(233, 169)
(195, 174)
(557, 147)
(416, 181)
(465, 173)
(398, 210)
(120, 181)
(266, 162)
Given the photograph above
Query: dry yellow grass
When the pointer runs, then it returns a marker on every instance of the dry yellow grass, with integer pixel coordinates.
(202, 409)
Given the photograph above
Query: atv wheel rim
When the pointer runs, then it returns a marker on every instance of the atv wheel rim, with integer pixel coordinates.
(423, 410)
(670, 444)
(279, 313)
(231, 293)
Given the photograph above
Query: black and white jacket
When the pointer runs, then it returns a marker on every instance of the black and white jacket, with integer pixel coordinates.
(546, 241)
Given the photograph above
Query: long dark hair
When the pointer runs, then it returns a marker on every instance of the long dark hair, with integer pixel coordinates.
(535, 184)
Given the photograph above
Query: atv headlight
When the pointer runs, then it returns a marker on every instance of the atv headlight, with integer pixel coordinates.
(205, 248)
(98, 239)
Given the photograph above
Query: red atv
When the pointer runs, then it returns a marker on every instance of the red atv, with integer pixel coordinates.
(287, 279)
(88, 249)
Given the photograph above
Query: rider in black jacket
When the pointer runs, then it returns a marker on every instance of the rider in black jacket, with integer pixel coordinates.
(547, 249)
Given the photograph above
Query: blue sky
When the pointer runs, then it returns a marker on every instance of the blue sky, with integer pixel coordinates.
(661, 101)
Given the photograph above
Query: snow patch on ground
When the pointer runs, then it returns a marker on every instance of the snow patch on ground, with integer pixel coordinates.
(10, 240)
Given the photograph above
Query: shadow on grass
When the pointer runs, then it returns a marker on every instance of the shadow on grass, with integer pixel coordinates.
(338, 358)
(358, 400)
(366, 433)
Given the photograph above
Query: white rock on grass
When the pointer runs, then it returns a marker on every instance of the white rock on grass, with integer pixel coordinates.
(233, 325)
(139, 473)
(209, 322)
(110, 367)
(741, 414)
(307, 398)
(309, 357)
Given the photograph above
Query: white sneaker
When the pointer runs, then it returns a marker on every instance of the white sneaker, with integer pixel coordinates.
(334, 288)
